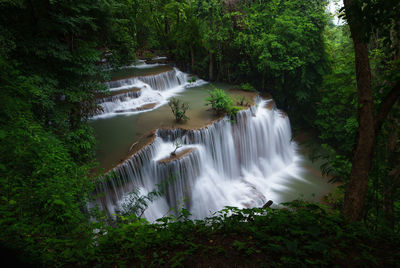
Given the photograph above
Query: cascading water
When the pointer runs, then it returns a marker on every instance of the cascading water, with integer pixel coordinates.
(141, 64)
(160, 82)
(118, 98)
(226, 164)
(155, 90)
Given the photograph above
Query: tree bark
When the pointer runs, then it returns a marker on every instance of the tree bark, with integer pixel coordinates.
(211, 67)
(263, 82)
(192, 57)
(364, 149)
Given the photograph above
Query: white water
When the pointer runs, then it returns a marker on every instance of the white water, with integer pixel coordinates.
(154, 90)
(119, 97)
(139, 64)
(243, 164)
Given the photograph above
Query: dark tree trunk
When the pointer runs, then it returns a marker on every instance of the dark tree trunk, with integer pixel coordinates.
(166, 26)
(263, 82)
(364, 149)
(211, 67)
(192, 58)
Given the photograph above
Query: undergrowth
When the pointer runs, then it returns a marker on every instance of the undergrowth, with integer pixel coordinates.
(302, 234)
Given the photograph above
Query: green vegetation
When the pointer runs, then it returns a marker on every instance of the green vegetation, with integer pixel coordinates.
(221, 103)
(52, 57)
(247, 87)
(192, 80)
(49, 75)
(278, 46)
(247, 237)
(179, 109)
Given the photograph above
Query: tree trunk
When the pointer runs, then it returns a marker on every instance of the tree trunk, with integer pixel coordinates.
(166, 26)
(211, 67)
(363, 153)
(192, 58)
(368, 126)
(263, 82)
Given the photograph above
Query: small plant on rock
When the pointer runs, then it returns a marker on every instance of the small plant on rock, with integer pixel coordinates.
(178, 144)
(179, 109)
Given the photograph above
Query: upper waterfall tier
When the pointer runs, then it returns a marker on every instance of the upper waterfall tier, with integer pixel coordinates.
(226, 164)
(162, 81)
(155, 90)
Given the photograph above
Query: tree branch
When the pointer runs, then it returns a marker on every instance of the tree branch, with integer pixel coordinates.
(385, 106)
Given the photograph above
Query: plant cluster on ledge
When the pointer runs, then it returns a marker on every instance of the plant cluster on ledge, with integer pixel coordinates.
(221, 103)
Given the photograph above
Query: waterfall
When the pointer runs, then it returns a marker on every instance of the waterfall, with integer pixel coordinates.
(120, 97)
(155, 90)
(160, 82)
(225, 164)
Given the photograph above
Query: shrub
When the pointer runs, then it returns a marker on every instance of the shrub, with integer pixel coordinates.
(221, 103)
(179, 109)
(247, 87)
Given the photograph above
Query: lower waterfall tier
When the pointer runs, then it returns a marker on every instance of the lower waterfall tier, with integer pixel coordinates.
(228, 164)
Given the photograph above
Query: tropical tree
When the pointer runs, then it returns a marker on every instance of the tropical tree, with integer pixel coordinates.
(363, 21)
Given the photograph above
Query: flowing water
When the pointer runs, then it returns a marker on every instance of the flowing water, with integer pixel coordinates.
(155, 90)
(243, 164)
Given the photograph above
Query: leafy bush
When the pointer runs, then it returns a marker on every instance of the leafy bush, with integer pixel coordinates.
(179, 109)
(221, 103)
(247, 87)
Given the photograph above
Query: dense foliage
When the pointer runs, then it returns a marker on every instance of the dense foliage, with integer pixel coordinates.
(49, 66)
(300, 235)
(273, 45)
(52, 54)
